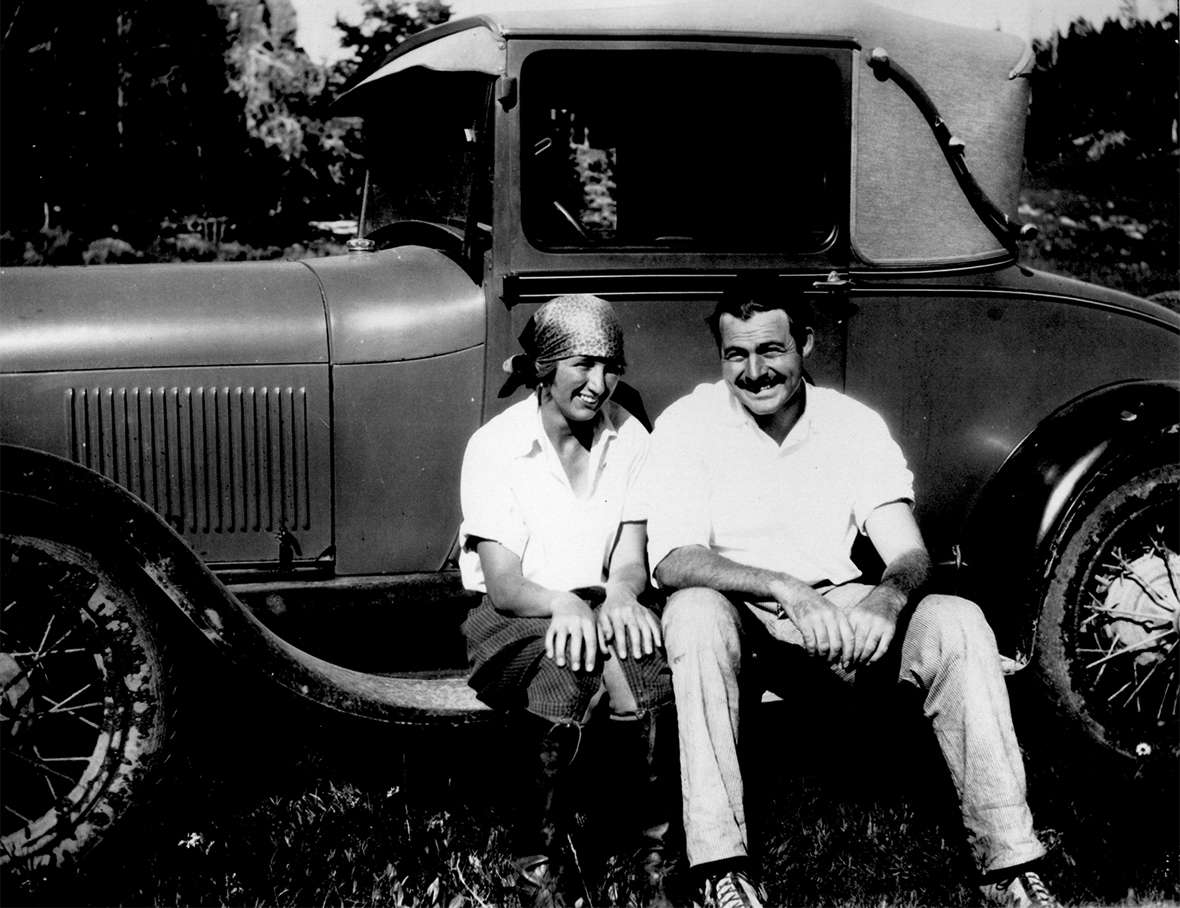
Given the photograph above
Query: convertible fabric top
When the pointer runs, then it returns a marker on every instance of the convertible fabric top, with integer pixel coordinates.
(907, 208)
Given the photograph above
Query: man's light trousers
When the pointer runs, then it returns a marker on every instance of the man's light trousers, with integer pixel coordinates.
(948, 651)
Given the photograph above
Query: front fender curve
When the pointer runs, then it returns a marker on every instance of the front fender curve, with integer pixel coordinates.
(119, 525)
(1020, 513)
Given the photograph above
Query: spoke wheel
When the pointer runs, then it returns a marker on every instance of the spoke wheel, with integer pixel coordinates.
(1109, 633)
(83, 701)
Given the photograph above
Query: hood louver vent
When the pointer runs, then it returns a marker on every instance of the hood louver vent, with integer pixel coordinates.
(209, 459)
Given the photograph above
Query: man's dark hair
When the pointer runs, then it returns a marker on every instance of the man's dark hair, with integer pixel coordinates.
(750, 296)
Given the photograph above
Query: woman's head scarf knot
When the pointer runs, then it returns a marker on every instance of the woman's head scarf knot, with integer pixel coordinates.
(577, 324)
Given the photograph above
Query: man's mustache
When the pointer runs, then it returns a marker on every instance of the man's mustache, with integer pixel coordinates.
(754, 385)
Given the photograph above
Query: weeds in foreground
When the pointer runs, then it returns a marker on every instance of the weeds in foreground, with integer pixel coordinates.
(855, 817)
(334, 843)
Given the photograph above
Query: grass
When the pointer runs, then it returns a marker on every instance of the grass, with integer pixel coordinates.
(855, 813)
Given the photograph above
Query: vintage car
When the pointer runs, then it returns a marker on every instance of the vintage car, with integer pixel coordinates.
(263, 458)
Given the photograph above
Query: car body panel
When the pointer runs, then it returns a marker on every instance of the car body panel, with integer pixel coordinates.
(907, 208)
(959, 405)
(147, 316)
(228, 457)
(668, 346)
(399, 304)
(400, 433)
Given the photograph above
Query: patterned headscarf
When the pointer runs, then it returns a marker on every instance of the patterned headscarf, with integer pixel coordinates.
(574, 325)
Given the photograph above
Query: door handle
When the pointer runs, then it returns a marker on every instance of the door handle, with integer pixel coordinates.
(832, 282)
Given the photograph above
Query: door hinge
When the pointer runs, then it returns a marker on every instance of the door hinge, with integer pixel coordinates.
(507, 96)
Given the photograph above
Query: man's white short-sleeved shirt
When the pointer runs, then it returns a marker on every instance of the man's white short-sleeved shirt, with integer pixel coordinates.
(513, 490)
(715, 479)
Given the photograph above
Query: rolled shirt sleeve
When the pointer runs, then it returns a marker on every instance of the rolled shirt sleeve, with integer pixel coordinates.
(674, 487)
(635, 506)
(490, 510)
(882, 475)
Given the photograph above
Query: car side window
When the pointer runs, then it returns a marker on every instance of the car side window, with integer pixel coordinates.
(693, 149)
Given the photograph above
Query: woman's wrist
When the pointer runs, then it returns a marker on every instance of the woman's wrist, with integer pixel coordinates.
(620, 590)
(563, 602)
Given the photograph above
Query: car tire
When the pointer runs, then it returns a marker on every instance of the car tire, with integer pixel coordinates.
(86, 697)
(1107, 636)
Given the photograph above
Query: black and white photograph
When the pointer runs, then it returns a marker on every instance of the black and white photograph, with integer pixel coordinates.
(588, 453)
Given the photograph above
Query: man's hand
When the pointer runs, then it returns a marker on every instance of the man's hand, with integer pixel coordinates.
(632, 627)
(572, 624)
(825, 629)
(874, 621)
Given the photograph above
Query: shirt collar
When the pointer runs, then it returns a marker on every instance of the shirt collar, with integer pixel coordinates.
(528, 431)
(737, 415)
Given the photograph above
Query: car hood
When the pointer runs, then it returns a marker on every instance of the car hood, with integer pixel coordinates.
(401, 304)
(139, 316)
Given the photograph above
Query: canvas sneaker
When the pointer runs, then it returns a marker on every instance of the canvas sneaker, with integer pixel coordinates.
(1025, 890)
(542, 883)
(733, 890)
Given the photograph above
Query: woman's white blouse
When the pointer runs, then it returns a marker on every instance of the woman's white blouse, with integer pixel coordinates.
(513, 490)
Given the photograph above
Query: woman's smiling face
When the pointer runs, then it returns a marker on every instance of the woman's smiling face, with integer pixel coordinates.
(581, 385)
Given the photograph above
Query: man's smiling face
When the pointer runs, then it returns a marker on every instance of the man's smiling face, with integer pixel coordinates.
(761, 362)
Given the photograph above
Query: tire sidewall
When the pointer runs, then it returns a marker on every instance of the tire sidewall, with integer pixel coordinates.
(137, 721)
(1075, 547)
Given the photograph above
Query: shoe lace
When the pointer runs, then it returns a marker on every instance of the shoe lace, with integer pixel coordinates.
(1040, 892)
(728, 891)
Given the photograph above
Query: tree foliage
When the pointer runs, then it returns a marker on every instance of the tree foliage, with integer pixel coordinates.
(135, 125)
(109, 108)
(384, 25)
(1108, 94)
(301, 157)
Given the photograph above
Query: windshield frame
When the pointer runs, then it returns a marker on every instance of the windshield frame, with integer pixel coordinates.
(468, 220)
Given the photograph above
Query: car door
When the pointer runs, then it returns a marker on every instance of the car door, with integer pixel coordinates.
(653, 173)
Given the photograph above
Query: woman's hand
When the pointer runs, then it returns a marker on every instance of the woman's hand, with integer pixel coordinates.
(632, 627)
(572, 624)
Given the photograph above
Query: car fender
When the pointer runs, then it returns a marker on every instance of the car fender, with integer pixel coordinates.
(1007, 542)
(115, 524)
